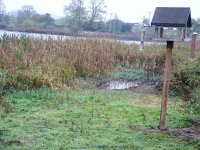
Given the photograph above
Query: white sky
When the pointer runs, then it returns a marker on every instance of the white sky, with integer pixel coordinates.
(126, 10)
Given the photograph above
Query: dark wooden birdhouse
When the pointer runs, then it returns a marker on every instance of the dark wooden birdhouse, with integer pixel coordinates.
(171, 23)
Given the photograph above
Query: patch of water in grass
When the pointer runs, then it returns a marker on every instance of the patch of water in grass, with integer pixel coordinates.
(119, 85)
(127, 78)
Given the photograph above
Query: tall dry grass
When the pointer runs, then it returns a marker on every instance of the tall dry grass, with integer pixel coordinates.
(35, 62)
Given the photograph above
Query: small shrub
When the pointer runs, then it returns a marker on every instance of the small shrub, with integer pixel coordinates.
(67, 74)
(194, 104)
(185, 82)
(4, 86)
(29, 79)
(4, 82)
(186, 79)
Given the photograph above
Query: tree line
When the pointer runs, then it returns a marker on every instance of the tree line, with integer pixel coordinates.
(77, 18)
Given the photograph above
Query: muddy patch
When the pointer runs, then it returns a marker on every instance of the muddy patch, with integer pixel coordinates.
(4, 142)
(10, 142)
(191, 132)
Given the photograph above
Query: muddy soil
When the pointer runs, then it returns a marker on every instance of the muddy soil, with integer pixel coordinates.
(190, 132)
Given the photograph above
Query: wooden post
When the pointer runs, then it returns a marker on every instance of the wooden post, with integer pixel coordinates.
(161, 32)
(193, 46)
(186, 33)
(142, 40)
(156, 32)
(166, 80)
(180, 34)
(183, 33)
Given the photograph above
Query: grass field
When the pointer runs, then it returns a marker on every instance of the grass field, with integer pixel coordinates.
(89, 119)
(71, 113)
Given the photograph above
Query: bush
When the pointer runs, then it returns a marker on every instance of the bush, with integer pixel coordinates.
(4, 82)
(194, 104)
(62, 73)
(186, 84)
(186, 79)
(29, 79)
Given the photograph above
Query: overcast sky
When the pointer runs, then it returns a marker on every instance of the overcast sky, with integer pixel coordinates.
(126, 10)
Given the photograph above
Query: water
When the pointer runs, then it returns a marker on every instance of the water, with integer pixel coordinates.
(35, 35)
(63, 37)
(119, 85)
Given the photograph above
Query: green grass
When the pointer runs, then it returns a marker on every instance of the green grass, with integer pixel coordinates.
(89, 119)
(130, 74)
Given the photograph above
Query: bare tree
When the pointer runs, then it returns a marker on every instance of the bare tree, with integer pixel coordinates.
(27, 11)
(2, 10)
(75, 12)
(25, 14)
(97, 9)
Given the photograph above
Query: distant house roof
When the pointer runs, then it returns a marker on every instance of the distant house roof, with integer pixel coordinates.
(172, 17)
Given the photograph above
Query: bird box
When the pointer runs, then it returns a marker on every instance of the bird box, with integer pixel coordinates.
(171, 23)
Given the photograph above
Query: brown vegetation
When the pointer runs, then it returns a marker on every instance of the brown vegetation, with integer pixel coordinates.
(33, 63)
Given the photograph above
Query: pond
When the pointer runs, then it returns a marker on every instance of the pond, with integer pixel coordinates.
(35, 35)
(63, 37)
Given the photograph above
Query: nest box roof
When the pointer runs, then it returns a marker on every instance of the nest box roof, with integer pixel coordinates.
(172, 17)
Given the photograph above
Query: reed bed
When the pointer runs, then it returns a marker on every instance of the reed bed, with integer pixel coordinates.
(35, 62)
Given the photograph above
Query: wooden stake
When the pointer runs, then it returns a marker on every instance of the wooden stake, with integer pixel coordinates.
(166, 80)
(193, 46)
(156, 32)
(183, 33)
(142, 40)
(161, 32)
